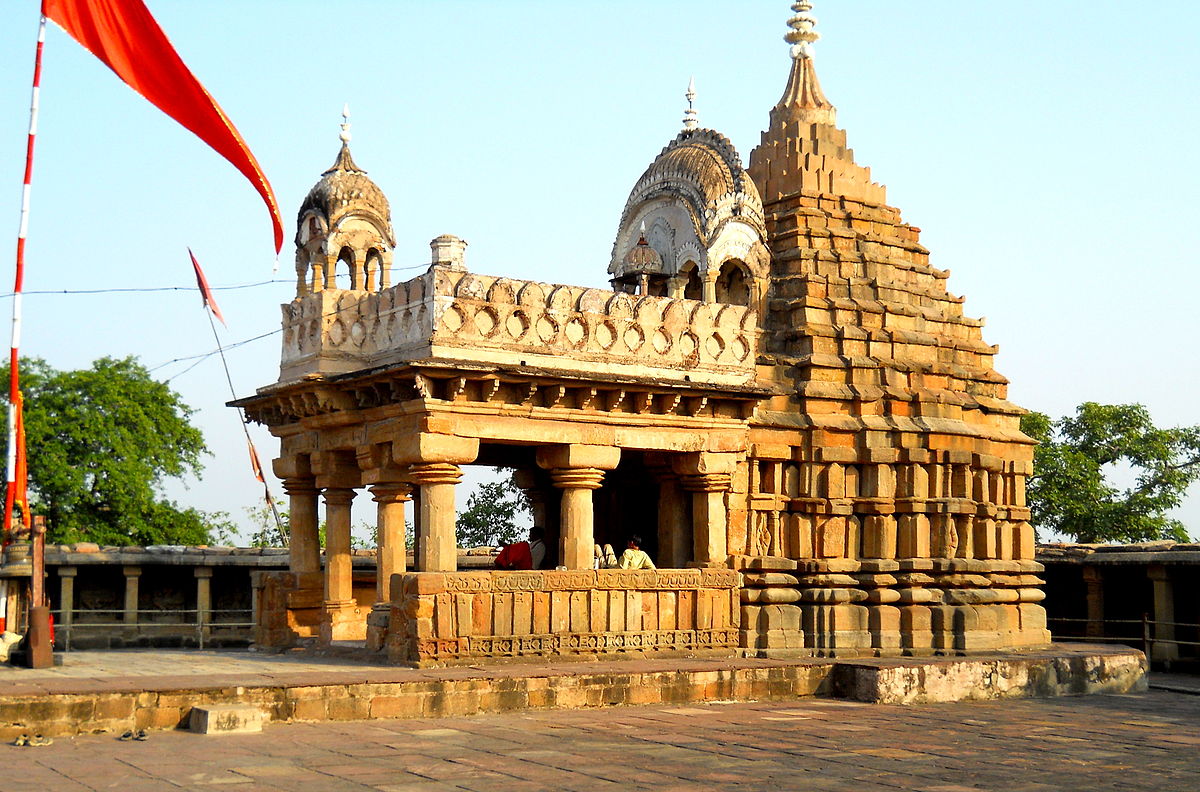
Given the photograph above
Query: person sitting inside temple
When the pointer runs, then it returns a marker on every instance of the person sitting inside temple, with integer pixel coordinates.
(605, 558)
(524, 555)
(634, 556)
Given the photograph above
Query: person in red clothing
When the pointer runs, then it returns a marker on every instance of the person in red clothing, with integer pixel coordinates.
(524, 555)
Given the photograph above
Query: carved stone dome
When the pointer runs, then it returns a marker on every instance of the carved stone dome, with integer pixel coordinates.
(703, 158)
(344, 190)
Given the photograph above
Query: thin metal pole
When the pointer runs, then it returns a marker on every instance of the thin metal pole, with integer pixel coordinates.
(14, 384)
(246, 429)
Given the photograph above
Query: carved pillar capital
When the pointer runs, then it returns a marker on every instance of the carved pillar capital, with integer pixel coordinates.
(435, 473)
(300, 486)
(391, 492)
(338, 496)
(577, 478)
(707, 482)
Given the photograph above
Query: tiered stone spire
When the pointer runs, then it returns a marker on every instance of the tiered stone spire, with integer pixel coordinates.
(804, 151)
(691, 118)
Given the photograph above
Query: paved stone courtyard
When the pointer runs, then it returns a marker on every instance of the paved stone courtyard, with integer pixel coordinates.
(1090, 743)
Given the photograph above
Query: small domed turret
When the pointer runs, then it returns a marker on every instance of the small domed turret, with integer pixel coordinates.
(345, 218)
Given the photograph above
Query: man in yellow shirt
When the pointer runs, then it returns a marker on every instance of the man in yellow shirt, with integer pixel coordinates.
(634, 557)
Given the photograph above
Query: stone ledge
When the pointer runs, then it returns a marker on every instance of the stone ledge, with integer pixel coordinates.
(95, 705)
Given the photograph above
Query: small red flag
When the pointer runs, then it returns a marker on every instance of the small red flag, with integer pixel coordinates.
(205, 292)
(255, 464)
(124, 35)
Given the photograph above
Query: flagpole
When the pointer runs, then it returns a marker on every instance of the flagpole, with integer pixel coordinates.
(245, 429)
(14, 385)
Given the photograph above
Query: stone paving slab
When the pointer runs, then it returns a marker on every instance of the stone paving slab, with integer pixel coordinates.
(1102, 743)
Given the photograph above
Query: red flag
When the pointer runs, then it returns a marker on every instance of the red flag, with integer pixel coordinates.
(255, 464)
(205, 292)
(124, 35)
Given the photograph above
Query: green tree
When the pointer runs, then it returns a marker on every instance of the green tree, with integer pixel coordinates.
(100, 442)
(491, 515)
(1071, 492)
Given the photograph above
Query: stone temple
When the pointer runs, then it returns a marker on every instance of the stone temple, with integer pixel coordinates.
(778, 393)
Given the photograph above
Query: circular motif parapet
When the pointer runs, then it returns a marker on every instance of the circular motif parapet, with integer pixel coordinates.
(358, 333)
(486, 322)
(634, 338)
(517, 325)
(547, 329)
(576, 333)
(661, 342)
(740, 348)
(605, 335)
(453, 319)
(337, 332)
(715, 346)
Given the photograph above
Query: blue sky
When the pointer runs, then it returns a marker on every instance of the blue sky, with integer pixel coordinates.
(1046, 149)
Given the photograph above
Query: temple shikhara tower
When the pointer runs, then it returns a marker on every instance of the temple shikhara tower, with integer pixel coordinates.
(778, 393)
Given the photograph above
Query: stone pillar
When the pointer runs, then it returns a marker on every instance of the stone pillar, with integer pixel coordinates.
(331, 270)
(709, 518)
(710, 286)
(577, 538)
(709, 477)
(1164, 614)
(527, 481)
(304, 541)
(389, 527)
(203, 603)
(674, 546)
(437, 549)
(577, 470)
(339, 585)
(130, 616)
(66, 602)
(1095, 601)
(433, 461)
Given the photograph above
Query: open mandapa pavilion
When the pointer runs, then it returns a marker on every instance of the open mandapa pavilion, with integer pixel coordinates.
(778, 393)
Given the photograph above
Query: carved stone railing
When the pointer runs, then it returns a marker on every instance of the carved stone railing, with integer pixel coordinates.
(455, 315)
(462, 616)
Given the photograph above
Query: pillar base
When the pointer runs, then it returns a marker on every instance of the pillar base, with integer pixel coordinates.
(343, 621)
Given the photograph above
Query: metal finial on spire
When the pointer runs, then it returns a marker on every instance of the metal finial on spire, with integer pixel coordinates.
(345, 134)
(803, 33)
(691, 118)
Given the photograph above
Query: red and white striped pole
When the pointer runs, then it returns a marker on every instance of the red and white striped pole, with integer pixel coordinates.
(14, 387)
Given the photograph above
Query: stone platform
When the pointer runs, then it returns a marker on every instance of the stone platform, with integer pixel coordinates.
(97, 692)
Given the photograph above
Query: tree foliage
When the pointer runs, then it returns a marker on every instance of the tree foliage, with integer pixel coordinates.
(1071, 491)
(100, 442)
(491, 515)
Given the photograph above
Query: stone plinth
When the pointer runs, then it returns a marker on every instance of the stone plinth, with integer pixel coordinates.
(448, 618)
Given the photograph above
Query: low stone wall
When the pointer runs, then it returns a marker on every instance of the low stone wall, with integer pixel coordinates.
(447, 618)
(65, 706)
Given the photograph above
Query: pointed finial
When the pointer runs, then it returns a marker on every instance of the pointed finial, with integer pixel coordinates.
(345, 135)
(803, 33)
(691, 119)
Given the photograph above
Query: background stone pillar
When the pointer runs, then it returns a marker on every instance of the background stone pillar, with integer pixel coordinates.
(577, 540)
(1164, 614)
(66, 602)
(339, 582)
(203, 603)
(674, 547)
(1095, 601)
(130, 616)
(390, 531)
(437, 549)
